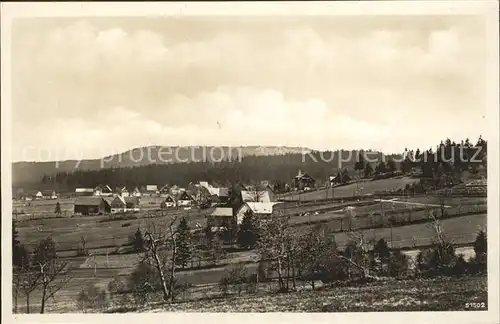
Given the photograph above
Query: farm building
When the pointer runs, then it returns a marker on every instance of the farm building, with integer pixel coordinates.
(223, 195)
(124, 192)
(184, 199)
(91, 206)
(302, 181)
(169, 202)
(151, 190)
(49, 194)
(341, 178)
(39, 195)
(262, 210)
(221, 217)
(118, 204)
(84, 191)
(104, 191)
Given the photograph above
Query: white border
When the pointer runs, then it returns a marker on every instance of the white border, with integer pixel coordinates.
(489, 9)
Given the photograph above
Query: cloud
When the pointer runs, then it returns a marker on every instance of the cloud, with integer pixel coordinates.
(300, 84)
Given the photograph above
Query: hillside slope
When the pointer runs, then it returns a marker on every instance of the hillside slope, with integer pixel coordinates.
(23, 172)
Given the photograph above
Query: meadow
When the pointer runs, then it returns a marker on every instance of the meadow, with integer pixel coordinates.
(365, 187)
(108, 237)
(441, 294)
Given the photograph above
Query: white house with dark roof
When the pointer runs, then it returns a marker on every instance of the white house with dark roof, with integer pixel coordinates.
(184, 199)
(262, 210)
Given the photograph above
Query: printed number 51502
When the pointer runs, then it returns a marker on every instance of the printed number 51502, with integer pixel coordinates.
(480, 305)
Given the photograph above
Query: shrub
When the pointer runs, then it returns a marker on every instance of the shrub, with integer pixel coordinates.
(117, 291)
(236, 278)
(93, 298)
(143, 281)
(398, 264)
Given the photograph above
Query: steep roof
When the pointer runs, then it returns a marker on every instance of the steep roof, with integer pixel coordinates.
(183, 195)
(223, 192)
(132, 200)
(89, 201)
(169, 198)
(222, 212)
(121, 199)
(261, 207)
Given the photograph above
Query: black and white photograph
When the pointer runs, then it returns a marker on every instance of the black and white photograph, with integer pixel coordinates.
(298, 157)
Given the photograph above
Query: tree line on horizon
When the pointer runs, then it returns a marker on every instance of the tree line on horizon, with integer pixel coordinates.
(449, 157)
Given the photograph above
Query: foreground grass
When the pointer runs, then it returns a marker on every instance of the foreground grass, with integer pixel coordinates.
(441, 294)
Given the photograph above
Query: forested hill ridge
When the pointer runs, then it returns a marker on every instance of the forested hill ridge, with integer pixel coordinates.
(32, 172)
(280, 166)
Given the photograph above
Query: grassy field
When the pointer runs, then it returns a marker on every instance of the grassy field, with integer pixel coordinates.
(461, 230)
(364, 187)
(442, 294)
(104, 234)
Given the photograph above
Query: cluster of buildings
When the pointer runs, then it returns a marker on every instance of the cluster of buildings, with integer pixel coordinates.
(260, 202)
(103, 199)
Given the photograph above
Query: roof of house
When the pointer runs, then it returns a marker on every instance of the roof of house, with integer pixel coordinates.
(261, 207)
(165, 188)
(121, 199)
(48, 192)
(261, 196)
(132, 200)
(169, 198)
(223, 192)
(205, 184)
(84, 190)
(103, 188)
(183, 195)
(89, 201)
(222, 212)
(151, 187)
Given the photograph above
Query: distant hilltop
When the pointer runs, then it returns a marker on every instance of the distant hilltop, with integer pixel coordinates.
(33, 171)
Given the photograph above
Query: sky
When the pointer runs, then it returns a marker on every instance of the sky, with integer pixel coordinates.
(89, 87)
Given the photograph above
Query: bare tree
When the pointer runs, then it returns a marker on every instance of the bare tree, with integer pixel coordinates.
(51, 273)
(257, 193)
(272, 245)
(28, 281)
(359, 257)
(443, 196)
(161, 250)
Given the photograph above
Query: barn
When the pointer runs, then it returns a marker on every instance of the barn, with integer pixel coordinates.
(91, 206)
(221, 217)
(262, 210)
(118, 204)
(84, 191)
